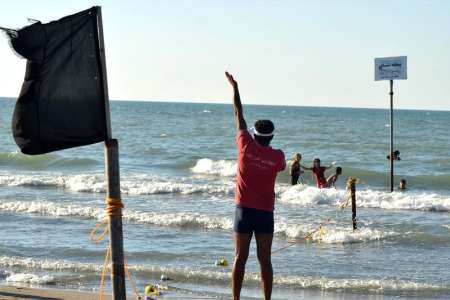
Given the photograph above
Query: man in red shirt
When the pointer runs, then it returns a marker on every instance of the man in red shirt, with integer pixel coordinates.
(258, 165)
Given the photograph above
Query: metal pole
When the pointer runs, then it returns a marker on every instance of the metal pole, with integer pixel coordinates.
(391, 93)
(115, 220)
(112, 173)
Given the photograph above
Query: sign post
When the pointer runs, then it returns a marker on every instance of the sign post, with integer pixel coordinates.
(391, 68)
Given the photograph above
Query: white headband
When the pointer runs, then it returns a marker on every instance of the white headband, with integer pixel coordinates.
(255, 132)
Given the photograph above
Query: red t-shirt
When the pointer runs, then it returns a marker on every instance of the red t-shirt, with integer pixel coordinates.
(256, 173)
(320, 177)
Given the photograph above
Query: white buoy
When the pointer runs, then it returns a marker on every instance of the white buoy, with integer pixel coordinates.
(165, 277)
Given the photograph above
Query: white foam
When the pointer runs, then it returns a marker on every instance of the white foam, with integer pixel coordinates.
(403, 200)
(133, 185)
(187, 220)
(347, 235)
(51, 209)
(446, 226)
(307, 195)
(47, 264)
(331, 233)
(182, 219)
(30, 278)
(155, 185)
(363, 284)
(77, 183)
(199, 275)
(215, 167)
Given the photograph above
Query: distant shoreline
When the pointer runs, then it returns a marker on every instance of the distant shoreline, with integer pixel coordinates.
(265, 105)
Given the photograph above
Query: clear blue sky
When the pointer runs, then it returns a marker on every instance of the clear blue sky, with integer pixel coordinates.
(282, 52)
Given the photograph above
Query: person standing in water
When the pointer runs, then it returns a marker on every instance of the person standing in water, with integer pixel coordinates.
(296, 171)
(331, 181)
(402, 185)
(258, 165)
(319, 173)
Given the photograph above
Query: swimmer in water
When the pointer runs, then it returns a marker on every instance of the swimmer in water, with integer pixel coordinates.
(296, 169)
(331, 181)
(402, 186)
(319, 173)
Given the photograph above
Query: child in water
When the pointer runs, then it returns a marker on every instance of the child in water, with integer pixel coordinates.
(331, 181)
(319, 173)
(295, 168)
(402, 186)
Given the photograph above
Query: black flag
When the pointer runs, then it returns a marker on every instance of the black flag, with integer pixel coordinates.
(62, 102)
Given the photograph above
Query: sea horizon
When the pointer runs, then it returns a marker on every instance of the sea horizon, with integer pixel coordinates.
(263, 104)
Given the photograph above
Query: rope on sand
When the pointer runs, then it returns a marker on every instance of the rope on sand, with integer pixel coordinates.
(113, 208)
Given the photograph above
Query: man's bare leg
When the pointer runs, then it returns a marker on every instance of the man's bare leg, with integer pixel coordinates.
(264, 251)
(242, 245)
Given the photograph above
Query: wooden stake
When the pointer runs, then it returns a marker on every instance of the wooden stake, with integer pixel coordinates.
(351, 183)
(112, 180)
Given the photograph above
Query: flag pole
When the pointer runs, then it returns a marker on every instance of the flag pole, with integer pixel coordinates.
(112, 172)
(391, 93)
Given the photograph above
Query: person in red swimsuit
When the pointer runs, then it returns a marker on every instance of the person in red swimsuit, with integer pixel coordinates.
(258, 165)
(319, 173)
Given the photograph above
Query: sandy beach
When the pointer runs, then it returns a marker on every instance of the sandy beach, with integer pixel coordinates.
(13, 293)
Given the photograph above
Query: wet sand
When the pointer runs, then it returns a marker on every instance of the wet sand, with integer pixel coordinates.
(13, 293)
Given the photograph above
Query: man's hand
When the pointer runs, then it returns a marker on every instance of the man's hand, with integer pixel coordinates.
(240, 122)
(231, 80)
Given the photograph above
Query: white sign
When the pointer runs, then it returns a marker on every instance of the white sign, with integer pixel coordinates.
(390, 68)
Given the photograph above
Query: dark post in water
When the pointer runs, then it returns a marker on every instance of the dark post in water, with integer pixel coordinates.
(351, 183)
(391, 156)
(113, 185)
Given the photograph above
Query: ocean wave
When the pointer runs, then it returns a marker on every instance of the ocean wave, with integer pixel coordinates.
(332, 233)
(183, 220)
(42, 162)
(357, 284)
(410, 200)
(215, 167)
(47, 264)
(131, 185)
(30, 278)
(187, 274)
(341, 235)
(47, 208)
(155, 185)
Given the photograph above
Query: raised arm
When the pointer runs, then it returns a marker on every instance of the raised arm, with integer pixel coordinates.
(240, 121)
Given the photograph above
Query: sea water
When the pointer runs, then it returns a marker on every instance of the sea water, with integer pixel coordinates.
(177, 180)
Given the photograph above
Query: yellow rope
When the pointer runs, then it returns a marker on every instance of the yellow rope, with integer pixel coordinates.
(131, 280)
(319, 229)
(347, 202)
(101, 293)
(113, 208)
